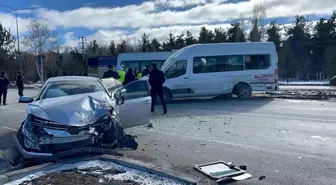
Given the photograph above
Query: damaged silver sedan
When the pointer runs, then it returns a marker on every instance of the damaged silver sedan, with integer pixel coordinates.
(77, 112)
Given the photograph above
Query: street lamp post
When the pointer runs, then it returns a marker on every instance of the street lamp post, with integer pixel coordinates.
(17, 30)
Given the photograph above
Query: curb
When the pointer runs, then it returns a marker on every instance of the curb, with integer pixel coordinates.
(127, 162)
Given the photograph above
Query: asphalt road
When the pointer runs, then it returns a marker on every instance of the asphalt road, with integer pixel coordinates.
(287, 141)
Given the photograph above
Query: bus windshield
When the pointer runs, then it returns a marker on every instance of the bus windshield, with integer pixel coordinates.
(172, 57)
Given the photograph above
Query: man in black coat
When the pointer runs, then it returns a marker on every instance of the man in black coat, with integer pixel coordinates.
(156, 80)
(4, 82)
(19, 83)
(145, 71)
(111, 73)
(129, 77)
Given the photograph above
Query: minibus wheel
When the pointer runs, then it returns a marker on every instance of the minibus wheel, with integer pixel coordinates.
(244, 92)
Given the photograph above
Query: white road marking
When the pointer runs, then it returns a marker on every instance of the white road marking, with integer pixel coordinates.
(8, 128)
(319, 137)
(291, 117)
(16, 110)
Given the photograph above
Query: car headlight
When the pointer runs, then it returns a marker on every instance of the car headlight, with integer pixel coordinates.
(27, 130)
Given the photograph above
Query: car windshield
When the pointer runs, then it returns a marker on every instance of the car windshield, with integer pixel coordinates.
(68, 88)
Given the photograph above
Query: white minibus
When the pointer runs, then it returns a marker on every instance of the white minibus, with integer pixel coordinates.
(219, 69)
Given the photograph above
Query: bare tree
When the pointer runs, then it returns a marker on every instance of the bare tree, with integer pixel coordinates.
(257, 33)
(39, 39)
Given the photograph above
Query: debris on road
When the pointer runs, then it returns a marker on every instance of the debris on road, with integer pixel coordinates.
(150, 125)
(222, 171)
(262, 177)
(243, 167)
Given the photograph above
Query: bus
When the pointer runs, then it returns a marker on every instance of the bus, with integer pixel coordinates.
(220, 69)
(140, 60)
(97, 65)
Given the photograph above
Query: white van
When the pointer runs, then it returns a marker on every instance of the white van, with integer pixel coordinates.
(140, 60)
(219, 69)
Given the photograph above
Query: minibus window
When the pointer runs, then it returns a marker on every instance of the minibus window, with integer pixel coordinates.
(177, 69)
(255, 62)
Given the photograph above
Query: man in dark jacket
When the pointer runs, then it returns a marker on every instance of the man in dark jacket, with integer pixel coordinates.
(4, 82)
(145, 71)
(129, 77)
(156, 80)
(111, 73)
(19, 83)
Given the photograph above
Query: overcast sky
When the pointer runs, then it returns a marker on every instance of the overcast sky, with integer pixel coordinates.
(104, 20)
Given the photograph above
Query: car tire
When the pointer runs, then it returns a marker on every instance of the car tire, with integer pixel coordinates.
(244, 92)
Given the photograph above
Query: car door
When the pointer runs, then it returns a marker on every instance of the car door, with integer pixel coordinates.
(136, 109)
(176, 75)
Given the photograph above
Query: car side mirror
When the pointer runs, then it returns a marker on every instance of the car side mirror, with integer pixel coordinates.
(118, 97)
(24, 99)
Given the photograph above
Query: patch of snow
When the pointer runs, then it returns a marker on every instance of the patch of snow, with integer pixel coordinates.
(323, 82)
(130, 174)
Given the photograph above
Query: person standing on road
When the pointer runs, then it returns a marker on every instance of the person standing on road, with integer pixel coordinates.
(145, 71)
(19, 83)
(156, 80)
(130, 77)
(122, 74)
(111, 73)
(4, 82)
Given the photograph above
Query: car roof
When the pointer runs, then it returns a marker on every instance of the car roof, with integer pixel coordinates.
(72, 78)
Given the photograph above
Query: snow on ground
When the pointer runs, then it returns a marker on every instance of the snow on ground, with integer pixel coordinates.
(323, 82)
(130, 174)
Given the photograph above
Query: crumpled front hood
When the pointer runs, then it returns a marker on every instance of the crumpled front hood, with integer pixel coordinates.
(76, 110)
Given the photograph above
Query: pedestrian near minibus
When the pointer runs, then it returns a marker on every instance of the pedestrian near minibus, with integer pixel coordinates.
(145, 71)
(111, 73)
(156, 80)
(129, 77)
(19, 83)
(122, 74)
(4, 82)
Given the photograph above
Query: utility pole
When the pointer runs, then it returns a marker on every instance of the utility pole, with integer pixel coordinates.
(82, 45)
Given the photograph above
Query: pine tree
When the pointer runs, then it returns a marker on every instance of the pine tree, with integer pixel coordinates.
(155, 45)
(145, 45)
(255, 34)
(122, 47)
(203, 36)
(190, 39)
(236, 33)
(171, 42)
(274, 36)
(324, 41)
(299, 37)
(112, 49)
(180, 42)
(220, 35)
(211, 37)
(6, 44)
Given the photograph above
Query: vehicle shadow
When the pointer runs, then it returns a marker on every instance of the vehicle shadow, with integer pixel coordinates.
(6, 140)
(211, 106)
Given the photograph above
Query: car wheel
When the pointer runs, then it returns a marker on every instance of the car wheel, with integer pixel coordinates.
(244, 92)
